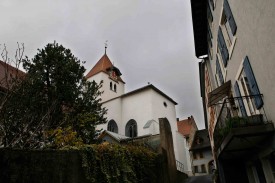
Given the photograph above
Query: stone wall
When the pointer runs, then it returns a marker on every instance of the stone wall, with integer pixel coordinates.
(65, 166)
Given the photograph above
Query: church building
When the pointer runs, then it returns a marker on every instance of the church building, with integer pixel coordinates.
(134, 113)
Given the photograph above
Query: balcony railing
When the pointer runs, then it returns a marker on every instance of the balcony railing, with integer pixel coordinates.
(229, 119)
(180, 166)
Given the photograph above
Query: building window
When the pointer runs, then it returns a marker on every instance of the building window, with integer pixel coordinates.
(246, 85)
(196, 170)
(131, 128)
(209, 34)
(227, 31)
(201, 155)
(203, 169)
(111, 86)
(114, 87)
(239, 98)
(219, 74)
(229, 17)
(194, 155)
(112, 126)
(222, 47)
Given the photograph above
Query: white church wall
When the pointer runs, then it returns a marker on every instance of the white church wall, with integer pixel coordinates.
(154, 128)
(113, 113)
(138, 107)
(141, 106)
(162, 107)
(108, 93)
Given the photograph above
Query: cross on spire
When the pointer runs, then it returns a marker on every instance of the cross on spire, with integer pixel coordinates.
(106, 45)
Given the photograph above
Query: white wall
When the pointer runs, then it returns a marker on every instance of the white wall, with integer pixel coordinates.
(138, 107)
(255, 39)
(184, 155)
(108, 94)
(143, 106)
(114, 112)
(207, 157)
(169, 112)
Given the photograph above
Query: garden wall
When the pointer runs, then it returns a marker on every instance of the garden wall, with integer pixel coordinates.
(81, 166)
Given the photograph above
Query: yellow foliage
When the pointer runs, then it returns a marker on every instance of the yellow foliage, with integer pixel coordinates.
(64, 137)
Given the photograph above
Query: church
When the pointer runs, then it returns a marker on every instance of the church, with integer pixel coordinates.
(134, 113)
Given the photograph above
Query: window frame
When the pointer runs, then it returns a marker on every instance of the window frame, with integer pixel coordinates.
(195, 156)
(209, 31)
(201, 155)
(111, 85)
(203, 168)
(196, 169)
(222, 66)
(112, 126)
(133, 131)
(218, 74)
(230, 42)
(249, 104)
(115, 88)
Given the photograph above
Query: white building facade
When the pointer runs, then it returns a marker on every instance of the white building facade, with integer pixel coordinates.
(235, 42)
(135, 113)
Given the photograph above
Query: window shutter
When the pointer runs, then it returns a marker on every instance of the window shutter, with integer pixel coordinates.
(240, 100)
(222, 47)
(209, 40)
(209, 53)
(252, 83)
(229, 16)
(219, 71)
(209, 31)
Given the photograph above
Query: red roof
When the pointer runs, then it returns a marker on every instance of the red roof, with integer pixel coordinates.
(102, 66)
(185, 126)
(6, 70)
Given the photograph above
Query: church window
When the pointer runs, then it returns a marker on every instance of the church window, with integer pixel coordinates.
(131, 128)
(165, 104)
(115, 87)
(112, 126)
(111, 86)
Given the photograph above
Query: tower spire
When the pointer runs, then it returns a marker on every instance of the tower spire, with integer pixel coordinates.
(106, 45)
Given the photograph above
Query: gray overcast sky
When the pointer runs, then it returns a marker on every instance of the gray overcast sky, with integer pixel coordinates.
(148, 40)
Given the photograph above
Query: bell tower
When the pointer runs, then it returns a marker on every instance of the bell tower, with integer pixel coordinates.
(104, 70)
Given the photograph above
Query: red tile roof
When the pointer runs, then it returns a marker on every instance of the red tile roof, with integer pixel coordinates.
(6, 70)
(185, 126)
(102, 66)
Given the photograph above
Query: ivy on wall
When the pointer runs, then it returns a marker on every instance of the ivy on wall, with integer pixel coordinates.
(110, 163)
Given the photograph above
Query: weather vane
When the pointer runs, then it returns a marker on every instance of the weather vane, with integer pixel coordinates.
(106, 45)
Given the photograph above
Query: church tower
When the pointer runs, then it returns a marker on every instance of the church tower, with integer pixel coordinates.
(104, 70)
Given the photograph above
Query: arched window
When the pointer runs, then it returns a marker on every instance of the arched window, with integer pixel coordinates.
(112, 126)
(115, 87)
(131, 128)
(111, 86)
